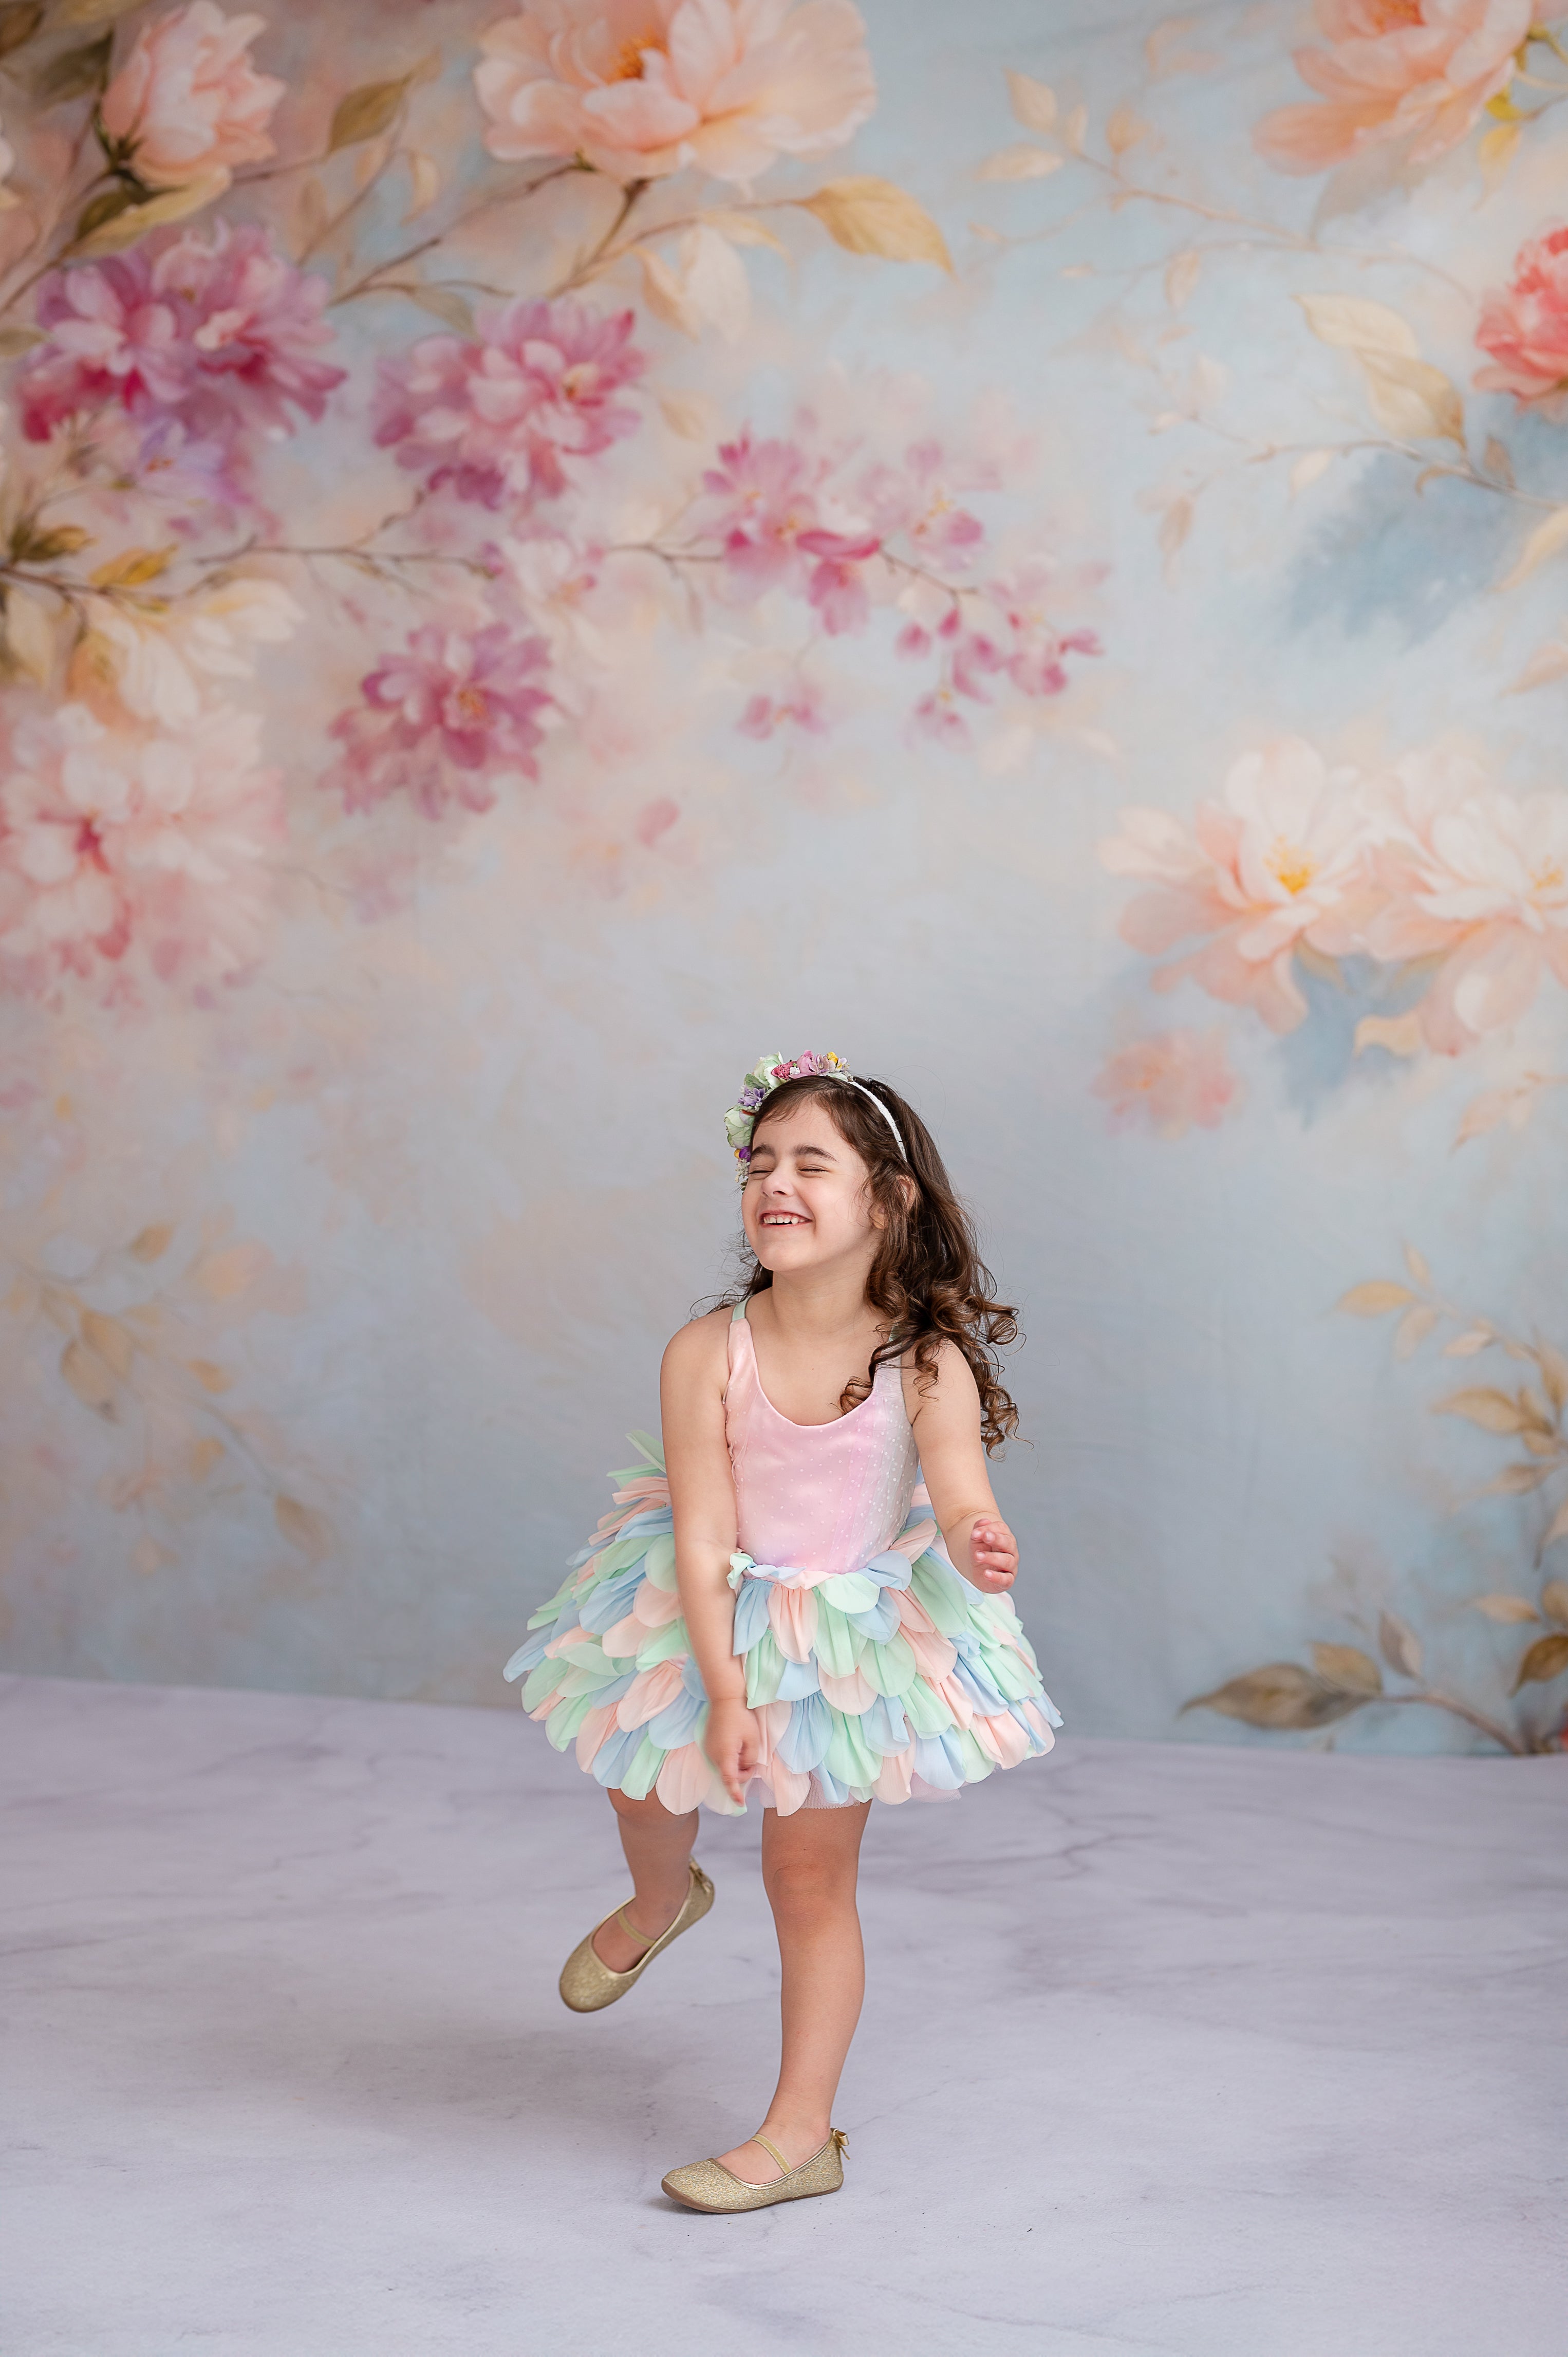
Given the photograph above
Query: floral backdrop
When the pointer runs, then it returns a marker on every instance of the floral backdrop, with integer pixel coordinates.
(547, 548)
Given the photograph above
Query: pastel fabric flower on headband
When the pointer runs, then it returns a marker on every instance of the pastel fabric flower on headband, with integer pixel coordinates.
(770, 1072)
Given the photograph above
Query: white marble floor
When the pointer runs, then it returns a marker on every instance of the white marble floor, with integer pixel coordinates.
(1169, 2051)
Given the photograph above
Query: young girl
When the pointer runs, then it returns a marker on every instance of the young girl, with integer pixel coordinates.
(781, 1613)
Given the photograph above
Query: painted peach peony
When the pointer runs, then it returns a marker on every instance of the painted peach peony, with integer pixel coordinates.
(1477, 878)
(1410, 73)
(1170, 1082)
(1526, 330)
(641, 88)
(1280, 862)
(187, 103)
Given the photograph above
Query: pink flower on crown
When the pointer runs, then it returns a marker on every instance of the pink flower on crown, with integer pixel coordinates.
(506, 414)
(642, 88)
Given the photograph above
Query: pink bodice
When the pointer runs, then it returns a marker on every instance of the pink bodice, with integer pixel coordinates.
(817, 1498)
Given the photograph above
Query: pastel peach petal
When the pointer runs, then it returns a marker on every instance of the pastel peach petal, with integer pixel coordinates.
(957, 1701)
(934, 1655)
(593, 1731)
(852, 1695)
(649, 1694)
(656, 1607)
(543, 1709)
(685, 1781)
(914, 1542)
(893, 1778)
(917, 1621)
(793, 1614)
(625, 1637)
(791, 1791)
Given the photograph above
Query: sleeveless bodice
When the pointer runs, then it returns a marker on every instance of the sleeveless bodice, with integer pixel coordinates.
(817, 1498)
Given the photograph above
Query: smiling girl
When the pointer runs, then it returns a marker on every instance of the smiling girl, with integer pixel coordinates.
(782, 1612)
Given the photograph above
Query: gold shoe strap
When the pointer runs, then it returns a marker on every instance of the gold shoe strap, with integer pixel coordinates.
(773, 2153)
(629, 1928)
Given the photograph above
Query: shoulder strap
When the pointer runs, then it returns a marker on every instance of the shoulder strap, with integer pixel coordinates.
(739, 1316)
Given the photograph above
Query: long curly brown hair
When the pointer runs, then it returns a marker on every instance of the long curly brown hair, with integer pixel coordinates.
(927, 1280)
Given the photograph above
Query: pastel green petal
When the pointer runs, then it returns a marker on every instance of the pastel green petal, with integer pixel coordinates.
(1013, 1677)
(640, 1778)
(764, 1671)
(592, 1681)
(836, 1644)
(850, 1757)
(542, 1679)
(977, 1762)
(661, 1563)
(618, 1557)
(664, 1645)
(851, 1591)
(585, 1653)
(926, 1711)
(566, 1717)
(891, 1668)
(941, 1592)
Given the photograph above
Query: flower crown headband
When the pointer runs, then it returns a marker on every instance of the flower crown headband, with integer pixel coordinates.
(770, 1072)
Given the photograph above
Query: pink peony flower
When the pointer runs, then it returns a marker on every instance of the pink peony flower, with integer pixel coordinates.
(1477, 878)
(201, 341)
(1526, 330)
(1171, 1081)
(451, 702)
(1411, 74)
(122, 843)
(640, 88)
(760, 498)
(187, 102)
(1282, 861)
(504, 415)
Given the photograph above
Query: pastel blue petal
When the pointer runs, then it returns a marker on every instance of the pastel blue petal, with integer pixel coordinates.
(804, 1742)
(885, 1727)
(834, 1793)
(614, 1755)
(691, 1679)
(611, 1601)
(937, 1764)
(750, 1614)
(678, 1722)
(880, 1622)
(800, 1679)
(528, 1657)
(890, 1570)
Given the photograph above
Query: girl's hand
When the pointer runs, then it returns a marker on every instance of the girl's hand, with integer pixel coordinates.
(733, 1744)
(992, 1555)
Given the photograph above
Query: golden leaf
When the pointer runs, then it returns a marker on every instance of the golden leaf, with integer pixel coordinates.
(1021, 162)
(311, 214)
(1075, 128)
(1306, 470)
(1125, 129)
(30, 619)
(202, 1457)
(1181, 276)
(1034, 103)
(18, 25)
(665, 293)
(211, 1377)
(865, 215)
(1555, 1600)
(1348, 1668)
(115, 1344)
(445, 303)
(1504, 1607)
(1546, 665)
(1359, 325)
(365, 112)
(132, 567)
(304, 1528)
(1399, 1034)
(1518, 1481)
(1175, 525)
(1464, 1346)
(1498, 463)
(169, 205)
(1494, 1411)
(1413, 1329)
(89, 1378)
(1554, 1373)
(1279, 1695)
(18, 339)
(151, 1243)
(1374, 1299)
(1400, 1645)
(1494, 152)
(1416, 1263)
(745, 228)
(424, 184)
(691, 416)
(1544, 541)
(230, 1273)
(1545, 1660)
(92, 12)
(1410, 396)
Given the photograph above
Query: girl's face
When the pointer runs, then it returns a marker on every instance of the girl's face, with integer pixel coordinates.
(806, 1202)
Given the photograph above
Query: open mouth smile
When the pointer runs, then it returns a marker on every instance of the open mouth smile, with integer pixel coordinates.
(783, 1219)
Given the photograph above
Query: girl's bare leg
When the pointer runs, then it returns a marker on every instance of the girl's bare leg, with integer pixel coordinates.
(658, 1847)
(810, 1862)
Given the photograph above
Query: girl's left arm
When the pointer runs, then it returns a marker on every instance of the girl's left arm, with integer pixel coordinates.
(947, 1422)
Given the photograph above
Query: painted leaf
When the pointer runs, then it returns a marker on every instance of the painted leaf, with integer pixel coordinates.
(1545, 541)
(365, 113)
(1123, 129)
(1495, 151)
(1555, 1600)
(866, 215)
(91, 12)
(169, 205)
(424, 184)
(87, 1377)
(1412, 397)
(1399, 1645)
(1182, 273)
(745, 228)
(312, 212)
(106, 206)
(1498, 463)
(1545, 1660)
(229, 1274)
(1306, 471)
(1416, 1263)
(1348, 1668)
(211, 1377)
(1504, 1608)
(202, 1456)
(74, 72)
(304, 1528)
(30, 618)
(14, 341)
(1279, 1695)
(1358, 324)
(1375, 1298)
(132, 567)
(1494, 1411)
(1557, 1527)
(1021, 162)
(445, 303)
(115, 1344)
(691, 416)
(1034, 103)
(1554, 1373)
(665, 292)
(1518, 1481)
(1546, 665)
(715, 282)
(1075, 129)
(1464, 1346)
(1413, 1329)
(150, 1244)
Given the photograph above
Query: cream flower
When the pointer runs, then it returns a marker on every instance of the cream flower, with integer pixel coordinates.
(187, 102)
(158, 660)
(641, 88)
(1411, 74)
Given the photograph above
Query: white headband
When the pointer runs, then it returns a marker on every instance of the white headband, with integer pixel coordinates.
(877, 1101)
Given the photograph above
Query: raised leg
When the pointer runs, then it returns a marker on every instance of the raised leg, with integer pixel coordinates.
(658, 1848)
(810, 1865)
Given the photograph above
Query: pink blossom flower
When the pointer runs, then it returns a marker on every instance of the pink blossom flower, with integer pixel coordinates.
(917, 502)
(503, 417)
(1171, 1081)
(187, 103)
(641, 88)
(761, 497)
(1281, 861)
(937, 716)
(1526, 330)
(801, 706)
(836, 584)
(1477, 878)
(116, 842)
(1412, 74)
(452, 702)
(200, 340)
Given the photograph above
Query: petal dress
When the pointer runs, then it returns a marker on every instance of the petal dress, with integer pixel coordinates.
(876, 1671)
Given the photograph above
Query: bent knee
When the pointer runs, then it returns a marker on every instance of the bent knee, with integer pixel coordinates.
(650, 1811)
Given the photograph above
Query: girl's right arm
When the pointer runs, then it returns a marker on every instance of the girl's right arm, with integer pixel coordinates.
(702, 1496)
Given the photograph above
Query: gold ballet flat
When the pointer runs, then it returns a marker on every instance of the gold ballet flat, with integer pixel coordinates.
(709, 2185)
(587, 1982)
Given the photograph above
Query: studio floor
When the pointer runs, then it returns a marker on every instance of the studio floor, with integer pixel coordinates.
(1168, 2049)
